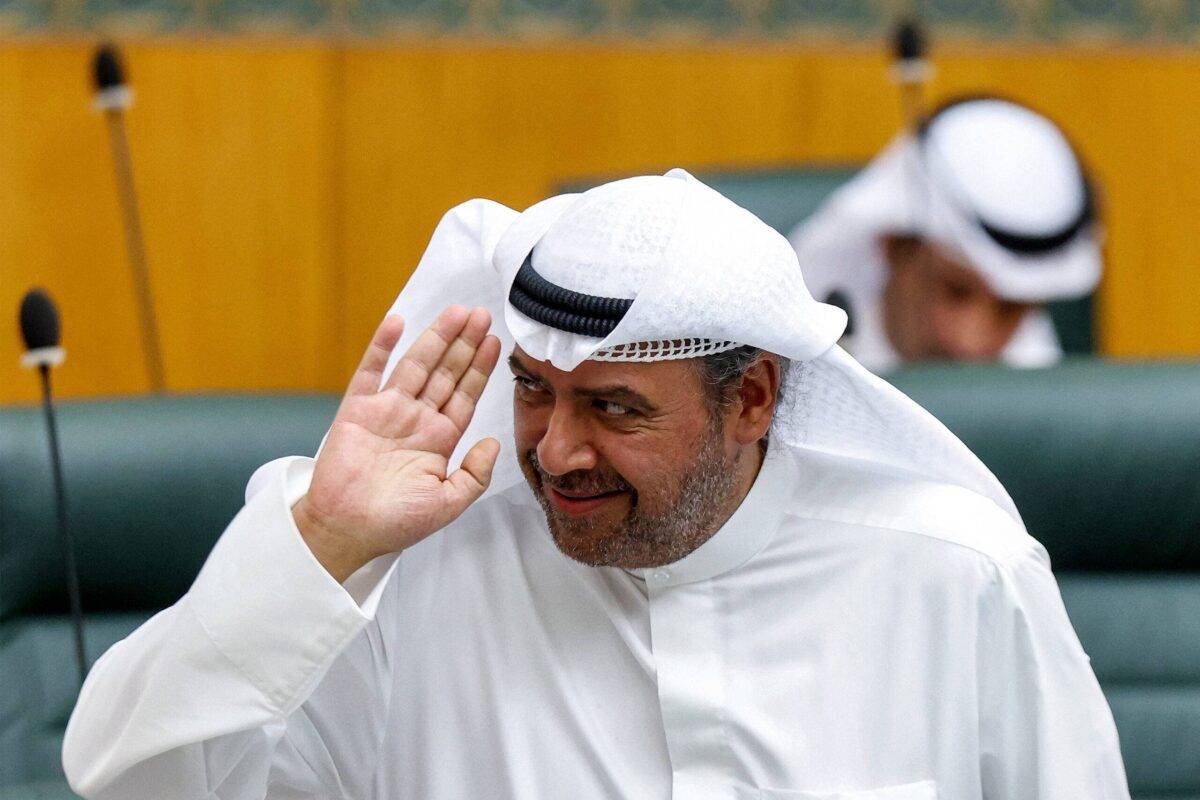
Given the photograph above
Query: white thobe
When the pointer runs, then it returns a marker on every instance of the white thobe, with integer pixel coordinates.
(848, 634)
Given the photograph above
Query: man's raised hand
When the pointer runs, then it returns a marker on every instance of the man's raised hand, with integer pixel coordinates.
(380, 483)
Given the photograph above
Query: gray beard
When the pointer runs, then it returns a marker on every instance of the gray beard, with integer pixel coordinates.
(645, 539)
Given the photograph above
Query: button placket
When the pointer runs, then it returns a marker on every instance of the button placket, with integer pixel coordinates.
(685, 637)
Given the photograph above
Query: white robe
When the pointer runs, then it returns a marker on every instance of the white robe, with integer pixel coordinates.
(849, 634)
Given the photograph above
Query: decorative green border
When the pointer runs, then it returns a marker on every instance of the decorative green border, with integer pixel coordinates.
(704, 20)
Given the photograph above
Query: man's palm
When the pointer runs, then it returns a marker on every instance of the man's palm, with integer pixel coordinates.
(381, 482)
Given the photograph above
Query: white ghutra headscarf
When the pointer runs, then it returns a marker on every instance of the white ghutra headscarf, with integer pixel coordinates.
(994, 180)
(688, 272)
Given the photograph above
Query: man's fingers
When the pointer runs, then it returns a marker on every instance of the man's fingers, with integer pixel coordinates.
(366, 378)
(461, 406)
(471, 479)
(414, 368)
(457, 358)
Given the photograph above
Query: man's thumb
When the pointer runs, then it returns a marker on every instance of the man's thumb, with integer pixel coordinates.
(472, 478)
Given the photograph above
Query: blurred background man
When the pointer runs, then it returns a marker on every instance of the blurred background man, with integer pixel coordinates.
(949, 243)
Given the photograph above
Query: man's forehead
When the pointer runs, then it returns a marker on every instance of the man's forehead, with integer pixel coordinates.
(944, 261)
(598, 373)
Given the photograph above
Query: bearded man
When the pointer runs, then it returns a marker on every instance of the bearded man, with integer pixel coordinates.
(738, 565)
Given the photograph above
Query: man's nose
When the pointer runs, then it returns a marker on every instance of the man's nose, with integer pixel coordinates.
(565, 447)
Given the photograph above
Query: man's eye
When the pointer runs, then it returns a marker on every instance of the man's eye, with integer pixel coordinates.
(526, 384)
(613, 409)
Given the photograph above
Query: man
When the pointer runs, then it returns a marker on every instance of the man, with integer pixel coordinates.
(746, 568)
(949, 244)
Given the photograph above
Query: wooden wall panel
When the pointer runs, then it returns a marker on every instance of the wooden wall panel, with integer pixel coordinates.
(234, 171)
(230, 149)
(289, 189)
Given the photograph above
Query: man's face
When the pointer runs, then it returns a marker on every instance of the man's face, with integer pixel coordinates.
(937, 307)
(630, 464)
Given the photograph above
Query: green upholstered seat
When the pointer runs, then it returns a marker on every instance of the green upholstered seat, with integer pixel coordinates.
(1102, 458)
(42, 790)
(151, 483)
(37, 660)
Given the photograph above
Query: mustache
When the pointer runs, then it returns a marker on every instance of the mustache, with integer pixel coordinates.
(580, 481)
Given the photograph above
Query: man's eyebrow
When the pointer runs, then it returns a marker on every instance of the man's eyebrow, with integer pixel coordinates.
(618, 393)
(519, 370)
(516, 366)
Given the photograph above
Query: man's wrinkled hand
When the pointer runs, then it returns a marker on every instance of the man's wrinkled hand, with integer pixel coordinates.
(380, 483)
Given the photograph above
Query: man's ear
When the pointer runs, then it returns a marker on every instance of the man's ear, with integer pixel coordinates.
(757, 393)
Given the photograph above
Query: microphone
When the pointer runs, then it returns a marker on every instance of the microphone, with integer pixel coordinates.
(109, 76)
(909, 45)
(909, 41)
(41, 333)
(113, 96)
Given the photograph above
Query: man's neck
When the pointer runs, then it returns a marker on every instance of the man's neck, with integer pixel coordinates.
(748, 463)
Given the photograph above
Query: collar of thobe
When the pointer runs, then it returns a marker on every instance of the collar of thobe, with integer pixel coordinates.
(743, 535)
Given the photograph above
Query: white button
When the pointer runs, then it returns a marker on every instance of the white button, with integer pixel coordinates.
(661, 575)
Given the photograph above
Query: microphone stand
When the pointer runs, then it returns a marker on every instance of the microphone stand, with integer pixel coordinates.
(113, 97)
(912, 72)
(64, 531)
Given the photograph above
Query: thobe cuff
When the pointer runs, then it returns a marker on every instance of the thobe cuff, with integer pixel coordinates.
(266, 602)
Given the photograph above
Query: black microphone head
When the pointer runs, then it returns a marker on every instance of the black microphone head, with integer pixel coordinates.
(909, 41)
(106, 68)
(39, 320)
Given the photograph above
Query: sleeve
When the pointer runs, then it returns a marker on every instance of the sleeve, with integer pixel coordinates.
(1046, 732)
(267, 679)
